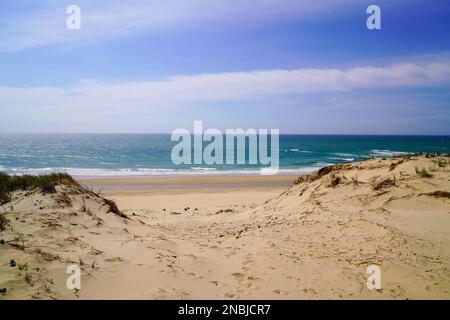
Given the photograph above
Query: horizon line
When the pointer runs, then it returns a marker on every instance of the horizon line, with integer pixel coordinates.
(281, 134)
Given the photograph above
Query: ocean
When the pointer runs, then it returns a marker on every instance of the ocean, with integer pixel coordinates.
(94, 155)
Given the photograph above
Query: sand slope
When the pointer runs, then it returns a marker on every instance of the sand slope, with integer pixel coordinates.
(313, 241)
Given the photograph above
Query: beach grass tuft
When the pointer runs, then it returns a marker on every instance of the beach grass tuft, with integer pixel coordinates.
(46, 183)
(384, 183)
(355, 181)
(112, 207)
(423, 173)
(3, 221)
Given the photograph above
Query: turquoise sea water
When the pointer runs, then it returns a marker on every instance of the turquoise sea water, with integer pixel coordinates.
(150, 154)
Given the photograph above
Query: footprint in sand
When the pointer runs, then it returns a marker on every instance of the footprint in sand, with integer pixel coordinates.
(281, 292)
(243, 280)
(246, 283)
(245, 268)
(195, 275)
(246, 265)
(244, 291)
(309, 290)
(231, 295)
(230, 254)
(247, 261)
(238, 275)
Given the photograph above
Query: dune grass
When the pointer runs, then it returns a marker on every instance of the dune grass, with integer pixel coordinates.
(46, 183)
(3, 222)
(423, 173)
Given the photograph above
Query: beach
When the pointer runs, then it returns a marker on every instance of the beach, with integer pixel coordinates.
(204, 193)
(237, 237)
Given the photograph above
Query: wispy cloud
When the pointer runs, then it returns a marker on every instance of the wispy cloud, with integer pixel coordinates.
(233, 86)
(33, 26)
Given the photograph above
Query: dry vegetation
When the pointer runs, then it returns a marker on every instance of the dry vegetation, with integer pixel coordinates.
(47, 185)
(3, 221)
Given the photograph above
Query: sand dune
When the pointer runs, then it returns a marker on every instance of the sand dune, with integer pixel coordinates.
(311, 241)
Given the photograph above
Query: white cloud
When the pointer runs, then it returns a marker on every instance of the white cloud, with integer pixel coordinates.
(46, 25)
(230, 87)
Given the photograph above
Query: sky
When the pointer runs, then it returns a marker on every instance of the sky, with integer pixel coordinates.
(300, 66)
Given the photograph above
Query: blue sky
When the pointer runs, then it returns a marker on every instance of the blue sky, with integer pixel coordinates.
(302, 66)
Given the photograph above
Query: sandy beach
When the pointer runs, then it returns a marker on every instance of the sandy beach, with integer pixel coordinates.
(204, 193)
(238, 237)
